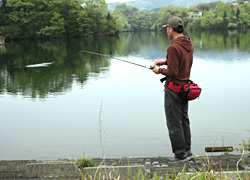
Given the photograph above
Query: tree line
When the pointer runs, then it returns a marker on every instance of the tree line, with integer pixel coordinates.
(223, 16)
(215, 15)
(55, 18)
(74, 18)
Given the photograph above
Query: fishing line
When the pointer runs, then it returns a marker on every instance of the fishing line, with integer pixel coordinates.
(110, 56)
(90, 52)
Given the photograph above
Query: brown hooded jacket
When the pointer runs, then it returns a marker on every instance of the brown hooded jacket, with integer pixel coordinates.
(179, 61)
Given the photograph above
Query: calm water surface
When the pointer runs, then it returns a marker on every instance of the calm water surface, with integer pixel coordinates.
(56, 110)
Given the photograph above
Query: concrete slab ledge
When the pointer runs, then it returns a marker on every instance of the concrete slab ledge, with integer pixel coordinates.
(67, 170)
(37, 170)
(110, 172)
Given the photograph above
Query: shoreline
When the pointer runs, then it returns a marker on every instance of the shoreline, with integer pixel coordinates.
(67, 169)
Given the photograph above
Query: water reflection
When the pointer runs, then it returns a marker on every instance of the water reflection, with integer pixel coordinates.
(222, 40)
(70, 65)
(221, 46)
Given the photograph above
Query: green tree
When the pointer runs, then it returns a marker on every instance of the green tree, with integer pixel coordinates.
(224, 11)
(126, 15)
(56, 28)
(141, 22)
(244, 19)
(23, 15)
(195, 24)
(73, 18)
(4, 10)
(207, 6)
(97, 13)
(119, 22)
(207, 19)
(55, 18)
(238, 13)
(169, 11)
(244, 16)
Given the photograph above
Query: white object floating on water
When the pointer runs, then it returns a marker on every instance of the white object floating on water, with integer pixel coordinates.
(39, 65)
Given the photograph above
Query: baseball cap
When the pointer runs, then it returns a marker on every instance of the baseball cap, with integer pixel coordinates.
(174, 22)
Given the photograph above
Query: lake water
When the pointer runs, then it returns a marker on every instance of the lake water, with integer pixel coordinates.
(58, 102)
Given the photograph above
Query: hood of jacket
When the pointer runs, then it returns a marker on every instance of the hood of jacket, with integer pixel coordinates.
(185, 42)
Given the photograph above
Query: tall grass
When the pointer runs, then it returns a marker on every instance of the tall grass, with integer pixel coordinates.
(199, 175)
(205, 173)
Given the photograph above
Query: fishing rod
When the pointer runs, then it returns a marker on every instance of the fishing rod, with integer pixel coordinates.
(99, 54)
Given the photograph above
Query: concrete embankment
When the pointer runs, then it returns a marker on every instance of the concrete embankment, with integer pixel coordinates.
(67, 170)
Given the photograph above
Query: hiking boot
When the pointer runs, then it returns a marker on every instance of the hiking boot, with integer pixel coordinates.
(182, 159)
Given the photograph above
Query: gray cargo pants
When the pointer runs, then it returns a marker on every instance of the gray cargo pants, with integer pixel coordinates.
(178, 123)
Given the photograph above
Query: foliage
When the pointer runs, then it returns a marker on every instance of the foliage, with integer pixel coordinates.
(167, 12)
(84, 162)
(131, 19)
(195, 24)
(245, 145)
(223, 16)
(206, 6)
(55, 18)
(216, 15)
(74, 18)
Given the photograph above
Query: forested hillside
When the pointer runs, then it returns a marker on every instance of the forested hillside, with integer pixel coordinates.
(216, 15)
(20, 19)
(131, 19)
(55, 18)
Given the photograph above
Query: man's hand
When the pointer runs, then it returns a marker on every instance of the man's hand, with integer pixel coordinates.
(159, 62)
(156, 69)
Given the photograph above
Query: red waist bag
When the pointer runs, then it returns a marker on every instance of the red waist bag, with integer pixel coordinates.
(187, 91)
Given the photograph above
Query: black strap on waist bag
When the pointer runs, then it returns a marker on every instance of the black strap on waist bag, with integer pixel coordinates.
(163, 79)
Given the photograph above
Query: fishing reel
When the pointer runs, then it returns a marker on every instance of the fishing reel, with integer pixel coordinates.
(150, 67)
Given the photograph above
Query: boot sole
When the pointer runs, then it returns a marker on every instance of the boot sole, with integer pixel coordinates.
(190, 158)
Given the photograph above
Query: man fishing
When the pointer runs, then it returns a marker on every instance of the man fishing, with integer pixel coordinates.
(179, 62)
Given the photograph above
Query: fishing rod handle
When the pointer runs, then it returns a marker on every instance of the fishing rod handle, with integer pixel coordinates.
(151, 67)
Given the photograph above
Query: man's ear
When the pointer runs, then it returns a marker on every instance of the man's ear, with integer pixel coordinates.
(171, 29)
